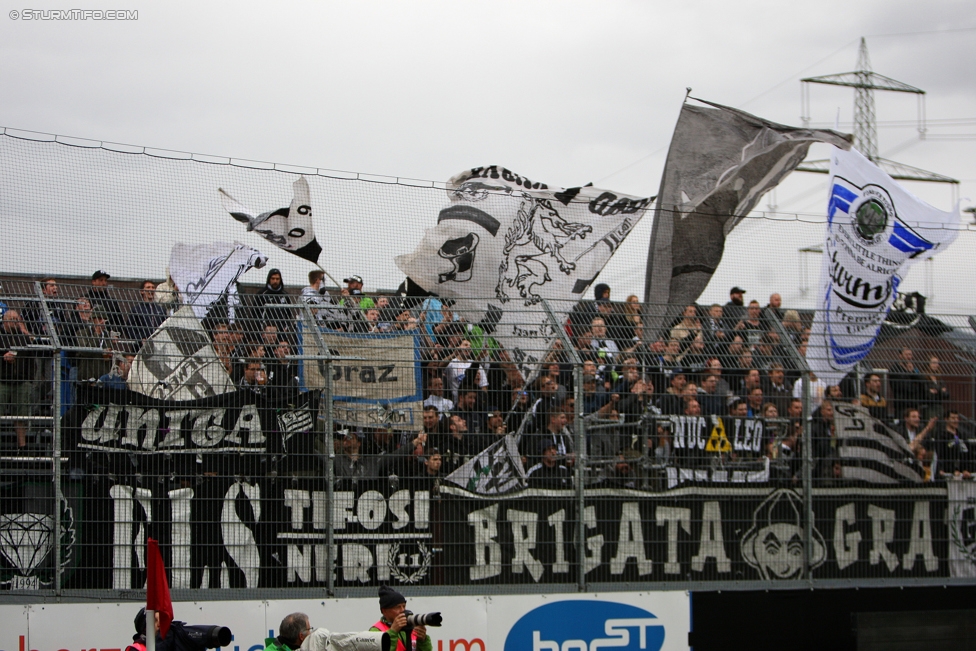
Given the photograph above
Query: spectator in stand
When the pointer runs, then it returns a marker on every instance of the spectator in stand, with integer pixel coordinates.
(908, 386)
(711, 403)
(618, 328)
(694, 358)
(549, 473)
(255, 376)
(457, 445)
(778, 389)
(722, 388)
(823, 438)
(793, 326)
(713, 332)
(546, 402)
(98, 296)
(119, 375)
(557, 434)
(557, 375)
(468, 408)
(282, 373)
(754, 402)
(818, 390)
(432, 475)
(436, 399)
(352, 296)
(632, 313)
(937, 393)
(872, 400)
(93, 365)
(146, 316)
(327, 313)
(734, 311)
(751, 327)
(773, 310)
(956, 450)
(767, 352)
(434, 422)
(688, 328)
(671, 402)
(16, 372)
(752, 380)
(584, 312)
(33, 314)
(636, 394)
(911, 428)
(270, 300)
(605, 347)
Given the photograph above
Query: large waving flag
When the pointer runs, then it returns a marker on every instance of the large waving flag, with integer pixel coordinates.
(287, 228)
(720, 164)
(505, 243)
(495, 471)
(157, 592)
(206, 273)
(876, 230)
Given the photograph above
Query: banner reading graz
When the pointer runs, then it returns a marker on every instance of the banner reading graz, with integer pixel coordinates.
(377, 385)
(695, 534)
(242, 421)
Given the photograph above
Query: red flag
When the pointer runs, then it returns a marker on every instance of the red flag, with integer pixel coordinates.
(157, 590)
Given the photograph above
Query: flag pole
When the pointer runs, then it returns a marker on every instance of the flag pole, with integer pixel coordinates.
(328, 274)
(150, 629)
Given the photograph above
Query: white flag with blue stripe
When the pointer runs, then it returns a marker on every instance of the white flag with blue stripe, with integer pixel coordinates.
(876, 230)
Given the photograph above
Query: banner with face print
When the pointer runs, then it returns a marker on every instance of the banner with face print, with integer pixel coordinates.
(876, 230)
(287, 228)
(505, 243)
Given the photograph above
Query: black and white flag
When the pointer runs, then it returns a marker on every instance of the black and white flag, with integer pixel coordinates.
(870, 451)
(287, 228)
(207, 273)
(505, 243)
(961, 518)
(495, 471)
(720, 164)
(178, 362)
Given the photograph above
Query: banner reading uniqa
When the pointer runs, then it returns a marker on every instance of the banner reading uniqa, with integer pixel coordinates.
(875, 231)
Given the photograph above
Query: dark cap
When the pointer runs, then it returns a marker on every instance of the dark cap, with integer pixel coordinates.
(390, 597)
(545, 444)
(140, 621)
(737, 290)
(353, 279)
(100, 274)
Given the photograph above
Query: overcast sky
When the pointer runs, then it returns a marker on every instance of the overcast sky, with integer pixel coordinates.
(565, 93)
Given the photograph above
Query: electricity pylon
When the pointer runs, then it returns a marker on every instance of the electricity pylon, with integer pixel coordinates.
(864, 82)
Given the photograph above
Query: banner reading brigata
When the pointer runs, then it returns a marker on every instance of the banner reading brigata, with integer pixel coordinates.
(876, 230)
(697, 534)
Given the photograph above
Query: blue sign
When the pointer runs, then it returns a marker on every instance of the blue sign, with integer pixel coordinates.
(586, 626)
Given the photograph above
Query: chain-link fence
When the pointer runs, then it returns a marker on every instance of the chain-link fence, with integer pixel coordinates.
(283, 441)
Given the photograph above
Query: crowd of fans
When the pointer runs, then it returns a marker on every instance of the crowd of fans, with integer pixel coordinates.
(722, 365)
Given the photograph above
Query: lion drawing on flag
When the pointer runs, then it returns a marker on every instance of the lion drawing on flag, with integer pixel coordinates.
(536, 236)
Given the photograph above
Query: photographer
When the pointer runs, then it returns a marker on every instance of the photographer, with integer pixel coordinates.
(139, 639)
(292, 632)
(393, 605)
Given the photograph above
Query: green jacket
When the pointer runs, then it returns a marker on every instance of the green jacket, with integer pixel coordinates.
(274, 644)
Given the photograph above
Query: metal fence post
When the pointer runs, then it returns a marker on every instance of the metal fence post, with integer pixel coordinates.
(579, 430)
(326, 359)
(807, 444)
(55, 432)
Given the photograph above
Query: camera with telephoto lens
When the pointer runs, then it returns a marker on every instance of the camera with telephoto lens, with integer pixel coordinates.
(423, 619)
(183, 637)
